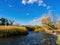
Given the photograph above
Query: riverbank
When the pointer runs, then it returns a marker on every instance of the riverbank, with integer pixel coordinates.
(53, 32)
(6, 31)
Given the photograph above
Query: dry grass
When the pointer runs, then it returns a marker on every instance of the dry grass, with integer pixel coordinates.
(8, 28)
(12, 30)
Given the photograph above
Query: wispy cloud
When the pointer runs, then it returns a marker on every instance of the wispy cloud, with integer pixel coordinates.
(31, 1)
(39, 2)
(35, 22)
(44, 5)
(9, 5)
(24, 2)
(27, 13)
(48, 7)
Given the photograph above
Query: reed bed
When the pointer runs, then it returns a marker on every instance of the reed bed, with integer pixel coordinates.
(12, 30)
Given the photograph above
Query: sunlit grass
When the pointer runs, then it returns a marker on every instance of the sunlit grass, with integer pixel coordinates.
(12, 30)
(8, 28)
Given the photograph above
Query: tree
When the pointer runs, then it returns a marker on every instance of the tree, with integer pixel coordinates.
(55, 18)
(4, 21)
(48, 22)
(11, 22)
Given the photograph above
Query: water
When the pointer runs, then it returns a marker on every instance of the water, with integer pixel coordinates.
(30, 39)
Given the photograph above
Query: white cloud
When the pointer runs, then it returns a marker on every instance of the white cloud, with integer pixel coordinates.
(24, 2)
(44, 5)
(28, 14)
(31, 1)
(39, 2)
(48, 7)
(50, 11)
(9, 5)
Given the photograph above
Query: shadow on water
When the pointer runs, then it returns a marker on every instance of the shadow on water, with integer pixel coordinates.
(30, 39)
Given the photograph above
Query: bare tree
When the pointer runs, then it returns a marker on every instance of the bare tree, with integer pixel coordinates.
(11, 22)
(55, 18)
(47, 20)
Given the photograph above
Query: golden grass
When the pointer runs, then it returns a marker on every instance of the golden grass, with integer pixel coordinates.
(8, 28)
(12, 30)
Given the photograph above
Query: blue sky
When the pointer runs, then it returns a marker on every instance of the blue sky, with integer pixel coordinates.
(28, 11)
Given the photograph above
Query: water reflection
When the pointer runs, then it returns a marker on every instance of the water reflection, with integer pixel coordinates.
(30, 39)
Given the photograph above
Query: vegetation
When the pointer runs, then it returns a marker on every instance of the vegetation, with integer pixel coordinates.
(58, 40)
(4, 21)
(49, 22)
(12, 30)
(7, 27)
(38, 29)
(34, 28)
(58, 24)
(11, 22)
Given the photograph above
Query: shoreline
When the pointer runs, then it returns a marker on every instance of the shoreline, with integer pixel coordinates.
(6, 31)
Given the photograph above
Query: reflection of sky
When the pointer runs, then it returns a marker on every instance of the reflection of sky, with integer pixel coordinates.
(25, 11)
